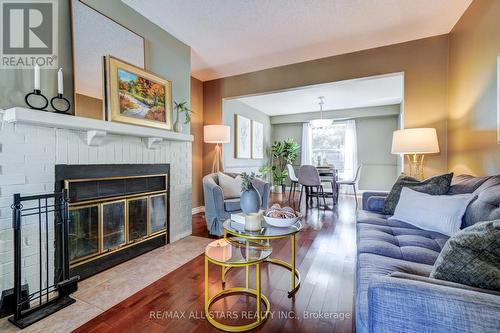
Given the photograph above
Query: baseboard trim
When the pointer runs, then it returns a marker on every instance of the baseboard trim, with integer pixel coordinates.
(197, 210)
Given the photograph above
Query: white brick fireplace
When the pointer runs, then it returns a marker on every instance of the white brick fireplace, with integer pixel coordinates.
(33, 142)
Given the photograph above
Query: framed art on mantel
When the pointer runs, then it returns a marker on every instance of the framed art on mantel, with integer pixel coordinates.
(243, 138)
(136, 96)
(257, 140)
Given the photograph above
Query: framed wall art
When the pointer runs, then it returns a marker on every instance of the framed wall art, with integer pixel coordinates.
(257, 140)
(243, 137)
(136, 96)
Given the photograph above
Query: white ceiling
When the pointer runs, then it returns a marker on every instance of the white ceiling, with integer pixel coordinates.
(231, 37)
(373, 91)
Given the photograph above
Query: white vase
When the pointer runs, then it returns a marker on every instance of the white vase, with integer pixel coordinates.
(178, 123)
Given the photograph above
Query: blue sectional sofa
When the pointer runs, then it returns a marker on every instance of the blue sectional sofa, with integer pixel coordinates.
(394, 292)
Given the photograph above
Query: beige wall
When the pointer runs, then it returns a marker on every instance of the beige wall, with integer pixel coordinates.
(197, 132)
(423, 61)
(474, 47)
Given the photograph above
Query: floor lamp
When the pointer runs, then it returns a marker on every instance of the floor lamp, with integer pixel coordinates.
(217, 134)
(415, 143)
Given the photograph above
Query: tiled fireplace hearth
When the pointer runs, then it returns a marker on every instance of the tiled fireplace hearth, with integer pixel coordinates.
(33, 143)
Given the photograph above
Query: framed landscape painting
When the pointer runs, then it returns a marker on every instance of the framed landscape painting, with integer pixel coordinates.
(257, 140)
(136, 96)
(243, 137)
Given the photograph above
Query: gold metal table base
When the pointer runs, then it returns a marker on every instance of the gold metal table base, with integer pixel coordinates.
(294, 273)
(260, 298)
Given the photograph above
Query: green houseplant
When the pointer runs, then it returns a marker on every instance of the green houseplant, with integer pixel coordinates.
(181, 108)
(283, 153)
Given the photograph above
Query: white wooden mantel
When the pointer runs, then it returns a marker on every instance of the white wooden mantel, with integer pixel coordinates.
(96, 129)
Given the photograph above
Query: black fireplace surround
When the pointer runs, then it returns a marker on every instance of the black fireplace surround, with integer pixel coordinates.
(103, 183)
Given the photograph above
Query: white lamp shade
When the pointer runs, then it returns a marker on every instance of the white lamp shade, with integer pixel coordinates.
(415, 141)
(216, 134)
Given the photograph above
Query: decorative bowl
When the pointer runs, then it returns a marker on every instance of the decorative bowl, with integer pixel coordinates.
(281, 223)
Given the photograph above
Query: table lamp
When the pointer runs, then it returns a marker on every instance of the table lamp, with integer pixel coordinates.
(217, 134)
(415, 142)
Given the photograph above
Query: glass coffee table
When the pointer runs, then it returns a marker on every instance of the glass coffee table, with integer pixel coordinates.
(267, 233)
(236, 252)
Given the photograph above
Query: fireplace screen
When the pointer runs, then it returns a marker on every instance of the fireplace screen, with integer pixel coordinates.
(137, 218)
(113, 225)
(158, 213)
(104, 225)
(83, 232)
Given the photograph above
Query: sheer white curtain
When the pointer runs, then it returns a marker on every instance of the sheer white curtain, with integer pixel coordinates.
(350, 150)
(306, 151)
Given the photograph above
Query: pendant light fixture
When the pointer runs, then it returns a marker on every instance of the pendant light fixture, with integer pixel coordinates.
(321, 122)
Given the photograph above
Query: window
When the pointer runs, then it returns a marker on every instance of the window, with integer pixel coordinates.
(333, 143)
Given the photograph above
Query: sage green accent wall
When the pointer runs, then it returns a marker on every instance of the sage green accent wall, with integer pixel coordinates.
(231, 107)
(379, 167)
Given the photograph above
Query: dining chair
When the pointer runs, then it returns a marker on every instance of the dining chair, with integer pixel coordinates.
(309, 179)
(353, 182)
(294, 181)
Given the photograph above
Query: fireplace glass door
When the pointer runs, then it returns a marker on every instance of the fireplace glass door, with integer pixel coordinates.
(137, 218)
(157, 213)
(83, 232)
(113, 224)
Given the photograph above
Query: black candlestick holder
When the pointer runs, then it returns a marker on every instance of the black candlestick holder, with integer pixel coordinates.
(59, 97)
(39, 95)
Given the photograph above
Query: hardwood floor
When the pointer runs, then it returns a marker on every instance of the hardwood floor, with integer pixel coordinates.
(325, 256)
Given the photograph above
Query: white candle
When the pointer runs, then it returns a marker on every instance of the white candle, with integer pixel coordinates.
(60, 84)
(37, 77)
(253, 222)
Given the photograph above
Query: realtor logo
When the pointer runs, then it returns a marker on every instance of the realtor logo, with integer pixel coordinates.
(29, 33)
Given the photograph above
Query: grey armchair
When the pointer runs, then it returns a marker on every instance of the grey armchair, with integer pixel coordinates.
(218, 209)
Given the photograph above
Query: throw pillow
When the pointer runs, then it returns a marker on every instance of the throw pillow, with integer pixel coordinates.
(438, 185)
(472, 257)
(440, 213)
(231, 187)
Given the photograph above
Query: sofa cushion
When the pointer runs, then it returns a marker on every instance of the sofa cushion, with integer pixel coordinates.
(370, 266)
(400, 241)
(232, 205)
(438, 185)
(231, 186)
(466, 184)
(440, 213)
(486, 207)
(472, 257)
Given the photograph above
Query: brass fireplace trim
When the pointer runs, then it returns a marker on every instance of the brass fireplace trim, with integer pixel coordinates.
(147, 219)
(149, 204)
(99, 236)
(126, 199)
(80, 180)
(72, 265)
(125, 230)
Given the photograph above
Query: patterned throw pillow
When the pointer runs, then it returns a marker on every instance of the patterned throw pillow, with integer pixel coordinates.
(438, 185)
(472, 257)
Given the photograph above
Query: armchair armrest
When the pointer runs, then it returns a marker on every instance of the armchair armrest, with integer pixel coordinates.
(374, 201)
(214, 204)
(264, 190)
(407, 303)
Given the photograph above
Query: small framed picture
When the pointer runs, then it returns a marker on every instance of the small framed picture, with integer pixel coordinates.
(243, 138)
(257, 140)
(136, 96)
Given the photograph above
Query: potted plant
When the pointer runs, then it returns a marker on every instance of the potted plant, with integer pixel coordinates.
(181, 108)
(250, 200)
(283, 153)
